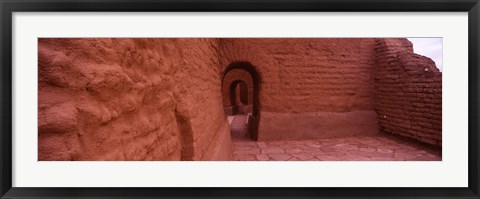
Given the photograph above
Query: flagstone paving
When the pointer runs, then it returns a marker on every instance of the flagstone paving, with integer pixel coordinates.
(380, 147)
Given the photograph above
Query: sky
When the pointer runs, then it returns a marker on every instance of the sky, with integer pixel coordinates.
(430, 47)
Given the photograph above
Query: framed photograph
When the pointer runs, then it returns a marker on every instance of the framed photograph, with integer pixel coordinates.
(239, 99)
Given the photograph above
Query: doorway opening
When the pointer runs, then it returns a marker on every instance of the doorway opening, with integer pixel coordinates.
(240, 89)
(240, 110)
(239, 98)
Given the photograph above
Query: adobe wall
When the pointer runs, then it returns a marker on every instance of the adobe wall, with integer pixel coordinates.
(408, 92)
(130, 99)
(310, 88)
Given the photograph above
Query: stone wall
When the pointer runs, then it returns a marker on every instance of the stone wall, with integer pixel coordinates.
(130, 99)
(322, 81)
(408, 92)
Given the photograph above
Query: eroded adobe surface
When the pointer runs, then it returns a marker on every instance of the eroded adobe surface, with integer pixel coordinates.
(130, 99)
(165, 99)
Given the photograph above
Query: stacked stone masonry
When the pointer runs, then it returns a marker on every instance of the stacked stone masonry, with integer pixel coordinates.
(408, 92)
(130, 99)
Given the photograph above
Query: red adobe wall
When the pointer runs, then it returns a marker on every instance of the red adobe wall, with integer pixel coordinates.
(408, 92)
(310, 88)
(130, 99)
(228, 79)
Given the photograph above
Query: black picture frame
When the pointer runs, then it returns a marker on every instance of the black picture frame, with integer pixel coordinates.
(9, 6)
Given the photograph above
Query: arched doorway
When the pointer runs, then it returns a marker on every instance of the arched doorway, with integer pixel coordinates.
(240, 91)
(239, 98)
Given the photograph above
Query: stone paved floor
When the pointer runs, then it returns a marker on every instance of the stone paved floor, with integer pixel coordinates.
(379, 147)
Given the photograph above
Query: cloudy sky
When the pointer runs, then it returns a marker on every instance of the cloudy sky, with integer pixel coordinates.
(430, 47)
